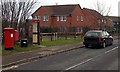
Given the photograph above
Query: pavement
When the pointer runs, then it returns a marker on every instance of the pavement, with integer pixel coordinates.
(24, 57)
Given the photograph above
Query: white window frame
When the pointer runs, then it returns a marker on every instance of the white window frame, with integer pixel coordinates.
(77, 18)
(58, 18)
(63, 18)
(45, 18)
(82, 18)
(37, 17)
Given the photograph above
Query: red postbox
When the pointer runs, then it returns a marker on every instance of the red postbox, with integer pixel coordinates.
(16, 35)
(8, 38)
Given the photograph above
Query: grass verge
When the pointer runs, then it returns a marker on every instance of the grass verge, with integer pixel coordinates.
(17, 48)
(61, 42)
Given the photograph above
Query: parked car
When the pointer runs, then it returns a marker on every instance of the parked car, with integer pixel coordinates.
(97, 38)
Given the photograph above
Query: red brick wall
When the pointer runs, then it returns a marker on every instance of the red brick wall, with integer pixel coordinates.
(75, 13)
(41, 12)
(60, 23)
(71, 20)
(53, 20)
(90, 21)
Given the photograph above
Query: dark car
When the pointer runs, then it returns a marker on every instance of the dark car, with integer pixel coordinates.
(97, 38)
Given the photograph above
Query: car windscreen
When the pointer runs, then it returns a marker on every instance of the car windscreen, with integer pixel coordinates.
(92, 34)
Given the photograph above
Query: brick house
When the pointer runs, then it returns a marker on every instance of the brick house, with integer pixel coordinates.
(66, 17)
(115, 22)
(95, 20)
(70, 18)
(92, 18)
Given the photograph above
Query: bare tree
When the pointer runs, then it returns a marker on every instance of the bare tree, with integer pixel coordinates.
(105, 10)
(15, 13)
(102, 8)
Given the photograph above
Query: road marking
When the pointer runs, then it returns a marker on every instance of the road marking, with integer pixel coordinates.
(88, 60)
(65, 69)
(12, 67)
(111, 50)
(16, 66)
(79, 64)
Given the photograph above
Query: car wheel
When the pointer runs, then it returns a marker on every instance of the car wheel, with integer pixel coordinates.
(104, 45)
(111, 42)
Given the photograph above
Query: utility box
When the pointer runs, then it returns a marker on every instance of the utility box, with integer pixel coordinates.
(8, 38)
(16, 35)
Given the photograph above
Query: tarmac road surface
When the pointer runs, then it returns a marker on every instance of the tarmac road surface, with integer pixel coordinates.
(78, 59)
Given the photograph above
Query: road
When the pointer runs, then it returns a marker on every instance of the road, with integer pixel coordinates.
(78, 59)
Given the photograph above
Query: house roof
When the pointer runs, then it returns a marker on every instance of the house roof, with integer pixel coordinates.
(114, 18)
(94, 13)
(59, 9)
(91, 16)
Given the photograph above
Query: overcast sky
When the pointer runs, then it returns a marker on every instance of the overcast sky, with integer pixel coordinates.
(84, 3)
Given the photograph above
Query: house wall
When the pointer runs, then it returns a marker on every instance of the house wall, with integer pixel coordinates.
(71, 20)
(90, 19)
(62, 25)
(77, 12)
(41, 12)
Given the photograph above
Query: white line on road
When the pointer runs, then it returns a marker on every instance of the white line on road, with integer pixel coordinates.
(67, 68)
(111, 50)
(12, 67)
(88, 60)
(78, 64)
(16, 66)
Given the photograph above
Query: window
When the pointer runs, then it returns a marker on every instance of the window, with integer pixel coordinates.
(77, 18)
(62, 18)
(107, 33)
(45, 18)
(58, 18)
(37, 17)
(92, 34)
(103, 33)
(82, 18)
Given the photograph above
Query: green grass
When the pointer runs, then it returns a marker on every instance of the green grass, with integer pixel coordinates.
(17, 48)
(61, 42)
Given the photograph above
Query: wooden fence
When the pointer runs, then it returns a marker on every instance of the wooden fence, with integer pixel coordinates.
(56, 36)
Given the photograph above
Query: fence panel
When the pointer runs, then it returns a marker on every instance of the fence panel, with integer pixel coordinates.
(56, 36)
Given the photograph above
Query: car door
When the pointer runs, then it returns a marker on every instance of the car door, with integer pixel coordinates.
(107, 38)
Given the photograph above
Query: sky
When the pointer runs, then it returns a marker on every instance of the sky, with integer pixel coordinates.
(83, 3)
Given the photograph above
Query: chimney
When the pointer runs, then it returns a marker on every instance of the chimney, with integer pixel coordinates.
(56, 3)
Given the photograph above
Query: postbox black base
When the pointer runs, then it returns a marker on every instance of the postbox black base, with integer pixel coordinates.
(11, 48)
